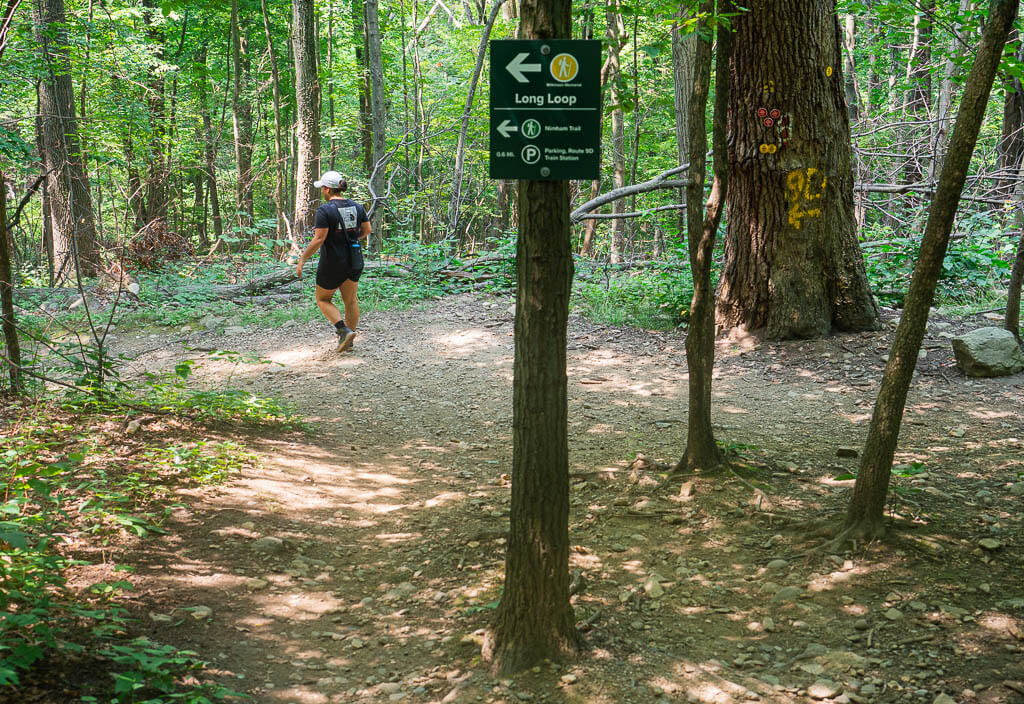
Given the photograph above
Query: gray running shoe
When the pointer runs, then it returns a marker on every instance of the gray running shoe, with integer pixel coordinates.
(345, 338)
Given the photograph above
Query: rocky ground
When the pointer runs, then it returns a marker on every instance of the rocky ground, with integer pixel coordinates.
(362, 561)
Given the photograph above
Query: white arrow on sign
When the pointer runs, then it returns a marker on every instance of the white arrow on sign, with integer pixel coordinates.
(517, 68)
(506, 128)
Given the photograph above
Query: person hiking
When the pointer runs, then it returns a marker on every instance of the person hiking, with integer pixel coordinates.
(339, 226)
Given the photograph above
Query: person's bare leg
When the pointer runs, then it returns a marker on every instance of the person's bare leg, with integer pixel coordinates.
(325, 301)
(348, 297)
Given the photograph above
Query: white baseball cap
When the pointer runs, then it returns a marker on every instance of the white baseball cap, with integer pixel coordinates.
(331, 179)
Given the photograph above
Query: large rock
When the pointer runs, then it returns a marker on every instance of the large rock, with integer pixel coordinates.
(988, 352)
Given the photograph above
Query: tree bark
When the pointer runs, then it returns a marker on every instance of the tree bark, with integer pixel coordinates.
(209, 149)
(44, 204)
(12, 349)
(615, 43)
(590, 227)
(534, 620)
(241, 108)
(71, 214)
(419, 110)
(683, 57)
(702, 451)
(918, 98)
(332, 153)
(307, 99)
(157, 174)
(944, 99)
(377, 182)
(363, 82)
(864, 518)
(633, 226)
(793, 267)
(275, 79)
(850, 67)
(874, 31)
(502, 220)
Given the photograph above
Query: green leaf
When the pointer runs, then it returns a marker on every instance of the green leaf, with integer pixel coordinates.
(10, 534)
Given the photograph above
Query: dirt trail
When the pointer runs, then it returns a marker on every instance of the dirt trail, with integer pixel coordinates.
(360, 562)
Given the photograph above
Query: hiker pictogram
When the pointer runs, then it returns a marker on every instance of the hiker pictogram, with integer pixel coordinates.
(564, 68)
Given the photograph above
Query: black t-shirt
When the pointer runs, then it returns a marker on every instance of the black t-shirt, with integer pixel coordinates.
(343, 219)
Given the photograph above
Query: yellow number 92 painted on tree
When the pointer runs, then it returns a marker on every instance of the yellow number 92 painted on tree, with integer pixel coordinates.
(805, 188)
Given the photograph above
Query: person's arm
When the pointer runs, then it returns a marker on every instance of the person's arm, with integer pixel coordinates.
(319, 235)
(364, 230)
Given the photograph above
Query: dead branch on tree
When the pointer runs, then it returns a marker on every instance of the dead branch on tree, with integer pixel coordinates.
(659, 182)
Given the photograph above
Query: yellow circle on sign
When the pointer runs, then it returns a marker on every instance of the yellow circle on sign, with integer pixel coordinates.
(828, 71)
(763, 148)
(564, 68)
(772, 148)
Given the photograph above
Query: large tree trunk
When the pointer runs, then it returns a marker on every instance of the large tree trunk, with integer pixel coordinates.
(377, 182)
(793, 267)
(534, 620)
(242, 119)
(702, 451)
(74, 227)
(864, 518)
(12, 349)
(307, 99)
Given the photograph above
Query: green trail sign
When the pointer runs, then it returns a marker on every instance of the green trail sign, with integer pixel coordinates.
(545, 109)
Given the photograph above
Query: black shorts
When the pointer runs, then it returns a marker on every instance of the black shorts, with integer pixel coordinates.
(331, 278)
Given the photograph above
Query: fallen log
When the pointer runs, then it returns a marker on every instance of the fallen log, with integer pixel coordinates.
(268, 298)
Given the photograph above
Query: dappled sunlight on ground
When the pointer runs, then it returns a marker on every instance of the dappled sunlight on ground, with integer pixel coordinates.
(394, 514)
(464, 342)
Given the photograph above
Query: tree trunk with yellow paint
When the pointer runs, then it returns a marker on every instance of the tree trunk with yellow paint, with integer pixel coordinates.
(793, 267)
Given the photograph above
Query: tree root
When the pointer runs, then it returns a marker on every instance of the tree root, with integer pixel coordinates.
(852, 535)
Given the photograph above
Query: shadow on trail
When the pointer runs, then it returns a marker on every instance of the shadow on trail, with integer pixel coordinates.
(391, 517)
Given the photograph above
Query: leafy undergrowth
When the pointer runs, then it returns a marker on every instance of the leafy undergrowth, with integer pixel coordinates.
(77, 478)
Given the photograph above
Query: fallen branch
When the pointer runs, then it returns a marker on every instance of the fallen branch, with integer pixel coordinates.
(659, 182)
(636, 214)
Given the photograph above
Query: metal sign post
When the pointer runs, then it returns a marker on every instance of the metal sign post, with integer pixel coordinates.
(545, 109)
